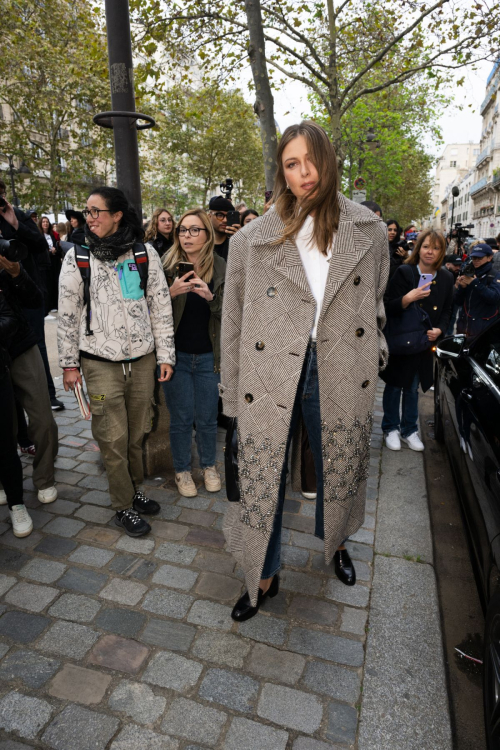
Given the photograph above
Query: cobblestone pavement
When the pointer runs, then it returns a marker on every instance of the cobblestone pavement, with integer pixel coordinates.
(127, 644)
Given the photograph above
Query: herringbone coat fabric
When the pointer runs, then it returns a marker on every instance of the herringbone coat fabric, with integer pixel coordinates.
(267, 317)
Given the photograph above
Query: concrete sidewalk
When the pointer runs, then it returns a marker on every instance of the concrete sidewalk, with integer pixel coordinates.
(112, 643)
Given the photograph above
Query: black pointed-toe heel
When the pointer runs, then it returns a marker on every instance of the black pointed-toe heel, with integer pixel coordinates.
(243, 609)
(344, 567)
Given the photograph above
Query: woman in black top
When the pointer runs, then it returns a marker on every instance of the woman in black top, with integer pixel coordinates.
(52, 240)
(77, 222)
(398, 253)
(192, 393)
(161, 231)
(404, 372)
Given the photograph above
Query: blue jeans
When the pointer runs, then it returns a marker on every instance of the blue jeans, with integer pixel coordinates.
(307, 404)
(192, 396)
(407, 423)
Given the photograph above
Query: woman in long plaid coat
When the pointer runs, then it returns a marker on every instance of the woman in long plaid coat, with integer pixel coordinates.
(299, 336)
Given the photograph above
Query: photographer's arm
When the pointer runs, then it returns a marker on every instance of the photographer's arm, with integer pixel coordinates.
(21, 284)
(29, 234)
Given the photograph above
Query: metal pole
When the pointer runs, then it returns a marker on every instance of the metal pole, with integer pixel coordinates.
(15, 199)
(121, 77)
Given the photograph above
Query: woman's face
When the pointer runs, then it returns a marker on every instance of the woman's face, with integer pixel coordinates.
(106, 223)
(45, 225)
(392, 232)
(429, 253)
(189, 243)
(165, 223)
(249, 218)
(300, 173)
(74, 222)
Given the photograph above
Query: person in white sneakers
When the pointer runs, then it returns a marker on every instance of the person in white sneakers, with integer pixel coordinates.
(422, 282)
(195, 275)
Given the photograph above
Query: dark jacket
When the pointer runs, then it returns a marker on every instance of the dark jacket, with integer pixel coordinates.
(214, 324)
(8, 327)
(29, 234)
(395, 259)
(161, 244)
(77, 236)
(401, 370)
(479, 301)
(20, 292)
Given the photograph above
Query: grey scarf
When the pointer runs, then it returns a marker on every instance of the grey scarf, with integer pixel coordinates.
(110, 248)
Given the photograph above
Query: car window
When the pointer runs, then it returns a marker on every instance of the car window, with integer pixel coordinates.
(487, 353)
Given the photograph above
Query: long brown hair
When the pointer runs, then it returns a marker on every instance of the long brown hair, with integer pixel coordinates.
(324, 201)
(206, 257)
(50, 231)
(439, 241)
(152, 230)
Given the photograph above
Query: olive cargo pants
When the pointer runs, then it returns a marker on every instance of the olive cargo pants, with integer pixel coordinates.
(121, 401)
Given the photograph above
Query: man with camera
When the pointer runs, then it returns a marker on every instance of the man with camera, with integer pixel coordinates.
(225, 221)
(477, 292)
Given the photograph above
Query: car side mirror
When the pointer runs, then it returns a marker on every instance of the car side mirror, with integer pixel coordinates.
(451, 347)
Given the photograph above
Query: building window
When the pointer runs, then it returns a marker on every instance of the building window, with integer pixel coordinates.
(475, 152)
(453, 163)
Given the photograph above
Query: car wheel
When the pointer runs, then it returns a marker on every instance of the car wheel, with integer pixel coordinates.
(438, 417)
(491, 674)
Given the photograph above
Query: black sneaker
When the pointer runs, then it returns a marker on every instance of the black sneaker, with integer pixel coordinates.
(56, 404)
(143, 504)
(131, 523)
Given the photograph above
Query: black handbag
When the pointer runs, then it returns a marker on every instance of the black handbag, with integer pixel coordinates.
(231, 462)
(407, 333)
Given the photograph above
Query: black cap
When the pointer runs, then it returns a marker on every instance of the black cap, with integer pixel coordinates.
(218, 203)
(455, 259)
(31, 213)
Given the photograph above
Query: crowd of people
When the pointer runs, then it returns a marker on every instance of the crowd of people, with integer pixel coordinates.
(271, 313)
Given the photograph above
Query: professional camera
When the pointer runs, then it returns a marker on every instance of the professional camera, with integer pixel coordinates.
(13, 250)
(226, 188)
(467, 268)
(462, 233)
(3, 204)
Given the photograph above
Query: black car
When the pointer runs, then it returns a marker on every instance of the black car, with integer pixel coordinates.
(467, 420)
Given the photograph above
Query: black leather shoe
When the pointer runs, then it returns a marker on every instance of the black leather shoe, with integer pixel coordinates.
(344, 568)
(243, 609)
(131, 523)
(145, 505)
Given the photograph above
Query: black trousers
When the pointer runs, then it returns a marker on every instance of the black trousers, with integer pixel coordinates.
(11, 470)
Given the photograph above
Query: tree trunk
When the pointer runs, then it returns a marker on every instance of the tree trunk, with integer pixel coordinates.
(264, 102)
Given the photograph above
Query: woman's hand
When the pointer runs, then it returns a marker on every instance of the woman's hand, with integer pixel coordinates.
(14, 269)
(434, 334)
(182, 285)
(70, 379)
(166, 372)
(201, 289)
(402, 252)
(415, 294)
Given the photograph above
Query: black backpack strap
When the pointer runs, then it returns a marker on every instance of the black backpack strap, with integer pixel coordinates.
(82, 257)
(142, 263)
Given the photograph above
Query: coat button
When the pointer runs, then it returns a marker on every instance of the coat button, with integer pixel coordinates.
(248, 398)
(435, 307)
(259, 345)
(434, 282)
(365, 384)
(272, 291)
(360, 332)
(357, 280)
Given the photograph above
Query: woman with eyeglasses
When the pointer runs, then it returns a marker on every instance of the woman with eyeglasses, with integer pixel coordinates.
(192, 393)
(160, 231)
(129, 330)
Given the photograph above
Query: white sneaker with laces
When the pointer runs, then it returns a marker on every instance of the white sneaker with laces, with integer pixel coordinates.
(3, 497)
(413, 441)
(48, 495)
(185, 484)
(392, 440)
(22, 525)
(211, 477)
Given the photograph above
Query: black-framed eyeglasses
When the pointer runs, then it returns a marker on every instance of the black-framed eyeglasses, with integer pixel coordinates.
(220, 215)
(94, 212)
(192, 231)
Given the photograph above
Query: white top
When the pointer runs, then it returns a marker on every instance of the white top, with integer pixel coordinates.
(315, 266)
(49, 240)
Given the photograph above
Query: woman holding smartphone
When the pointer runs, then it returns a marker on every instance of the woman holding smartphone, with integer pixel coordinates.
(195, 275)
(422, 281)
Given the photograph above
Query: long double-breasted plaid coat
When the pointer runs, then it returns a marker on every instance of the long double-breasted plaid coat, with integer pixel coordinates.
(267, 317)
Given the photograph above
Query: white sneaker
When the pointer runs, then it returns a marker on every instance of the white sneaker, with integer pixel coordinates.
(3, 497)
(309, 495)
(185, 484)
(211, 477)
(392, 440)
(413, 441)
(22, 525)
(48, 495)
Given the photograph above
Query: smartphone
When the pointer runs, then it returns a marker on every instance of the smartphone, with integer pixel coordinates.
(424, 279)
(233, 217)
(184, 267)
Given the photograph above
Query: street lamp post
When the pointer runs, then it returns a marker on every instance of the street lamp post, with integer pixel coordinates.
(15, 199)
(455, 192)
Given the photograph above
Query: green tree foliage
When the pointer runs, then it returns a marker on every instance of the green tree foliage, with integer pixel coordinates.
(53, 79)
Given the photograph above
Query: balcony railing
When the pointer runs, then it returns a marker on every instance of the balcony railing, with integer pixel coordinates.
(478, 185)
(483, 155)
(496, 179)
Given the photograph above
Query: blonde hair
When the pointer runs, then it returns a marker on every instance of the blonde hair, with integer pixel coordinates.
(152, 230)
(324, 202)
(206, 258)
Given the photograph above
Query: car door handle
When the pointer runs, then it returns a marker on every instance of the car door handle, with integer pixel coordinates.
(466, 394)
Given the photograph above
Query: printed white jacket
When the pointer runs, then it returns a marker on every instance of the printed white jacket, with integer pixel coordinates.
(125, 324)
